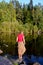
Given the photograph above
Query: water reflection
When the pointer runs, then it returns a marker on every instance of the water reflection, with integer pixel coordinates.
(34, 43)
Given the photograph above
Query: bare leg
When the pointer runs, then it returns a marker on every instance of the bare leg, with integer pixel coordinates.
(20, 58)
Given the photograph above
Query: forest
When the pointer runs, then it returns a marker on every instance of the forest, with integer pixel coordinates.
(15, 17)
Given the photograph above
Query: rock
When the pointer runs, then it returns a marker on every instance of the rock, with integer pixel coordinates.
(5, 61)
(36, 63)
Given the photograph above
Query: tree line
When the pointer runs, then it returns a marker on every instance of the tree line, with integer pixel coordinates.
(15, 17)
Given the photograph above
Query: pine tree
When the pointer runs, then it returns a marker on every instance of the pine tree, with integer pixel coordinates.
(31, 9)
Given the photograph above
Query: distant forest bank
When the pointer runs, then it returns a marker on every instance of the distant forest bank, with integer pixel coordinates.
(14, 18)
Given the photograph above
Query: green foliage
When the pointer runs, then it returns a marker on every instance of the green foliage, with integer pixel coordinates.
(35, 28)
(13, 18)
(15, 63)
(7, 13)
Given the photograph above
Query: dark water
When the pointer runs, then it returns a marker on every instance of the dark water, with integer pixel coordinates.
(26, 59)
(37, 59)
(35, 45)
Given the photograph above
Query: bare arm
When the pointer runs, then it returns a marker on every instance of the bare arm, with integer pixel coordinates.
(23, 40)
(17, 39)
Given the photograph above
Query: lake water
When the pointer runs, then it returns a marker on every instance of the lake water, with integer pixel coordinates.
(34, 47)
